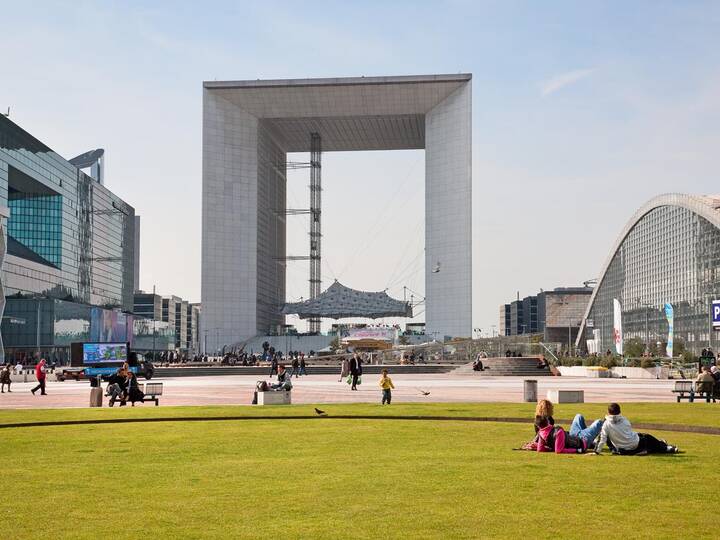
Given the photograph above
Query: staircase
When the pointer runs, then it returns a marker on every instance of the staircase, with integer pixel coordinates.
(204, 371)
(525, 366)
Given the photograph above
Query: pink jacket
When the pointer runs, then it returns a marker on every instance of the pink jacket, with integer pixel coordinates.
(544, 433)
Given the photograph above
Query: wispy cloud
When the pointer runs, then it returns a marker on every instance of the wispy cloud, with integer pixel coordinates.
(564, 79)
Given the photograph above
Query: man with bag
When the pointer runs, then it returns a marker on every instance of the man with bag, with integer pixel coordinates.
(355, 370)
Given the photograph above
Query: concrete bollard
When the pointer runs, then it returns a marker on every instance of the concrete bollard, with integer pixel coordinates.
(530, 391)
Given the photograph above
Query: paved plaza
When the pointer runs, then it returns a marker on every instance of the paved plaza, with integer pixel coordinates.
(237, 390)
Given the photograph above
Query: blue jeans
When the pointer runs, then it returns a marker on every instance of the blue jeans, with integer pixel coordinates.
(386, 396)
(578, 428)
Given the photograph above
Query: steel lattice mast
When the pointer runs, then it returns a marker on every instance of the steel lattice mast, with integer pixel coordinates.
(315, 230)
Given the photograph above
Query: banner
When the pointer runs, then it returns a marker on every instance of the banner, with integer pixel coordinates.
(669, 315)
(617, 326)
(382, 334)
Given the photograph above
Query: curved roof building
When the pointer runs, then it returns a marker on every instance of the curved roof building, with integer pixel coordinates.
(668, 252)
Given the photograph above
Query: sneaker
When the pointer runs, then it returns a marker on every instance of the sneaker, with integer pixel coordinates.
(33, 391)
(672, 449)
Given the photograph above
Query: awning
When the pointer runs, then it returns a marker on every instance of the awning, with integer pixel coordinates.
(340, 302)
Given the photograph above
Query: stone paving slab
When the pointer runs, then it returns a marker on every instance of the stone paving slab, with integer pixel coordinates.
(237, 390)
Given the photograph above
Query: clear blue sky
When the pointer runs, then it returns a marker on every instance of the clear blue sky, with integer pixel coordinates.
(581, 113)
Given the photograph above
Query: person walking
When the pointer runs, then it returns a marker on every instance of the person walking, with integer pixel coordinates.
(344, 369)
(40, 375)
(5, 378)
(295, 367)
(387, 386)
(302, 365)
(355, 370)
(273, 366)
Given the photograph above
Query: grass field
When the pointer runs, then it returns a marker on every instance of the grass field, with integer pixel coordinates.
(340, 478)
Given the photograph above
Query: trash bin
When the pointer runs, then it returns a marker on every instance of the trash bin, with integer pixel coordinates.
(96, 397)
(530, 391)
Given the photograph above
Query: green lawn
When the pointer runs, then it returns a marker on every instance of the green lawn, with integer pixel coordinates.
(345, 478)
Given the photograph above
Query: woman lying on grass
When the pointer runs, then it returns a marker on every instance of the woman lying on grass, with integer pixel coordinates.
(552, 438)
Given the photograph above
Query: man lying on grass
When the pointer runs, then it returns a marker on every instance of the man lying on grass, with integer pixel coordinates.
(618, 432)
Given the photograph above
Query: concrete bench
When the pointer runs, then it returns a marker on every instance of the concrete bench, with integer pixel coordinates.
(566, 396)
(689, 390)
(274, 397)
(152, 392)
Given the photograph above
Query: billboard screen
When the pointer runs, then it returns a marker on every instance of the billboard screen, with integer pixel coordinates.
(104, 353)
(716, 314)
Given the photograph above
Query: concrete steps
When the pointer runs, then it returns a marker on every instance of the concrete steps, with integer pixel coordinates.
(525, 366)
(212, 371)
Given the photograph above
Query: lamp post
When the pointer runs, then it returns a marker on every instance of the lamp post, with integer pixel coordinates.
(154, 325)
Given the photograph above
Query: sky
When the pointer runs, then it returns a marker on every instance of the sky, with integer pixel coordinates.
(582, 111)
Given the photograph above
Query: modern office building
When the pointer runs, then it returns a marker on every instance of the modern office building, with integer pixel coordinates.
(148, 305)
(505, 320)
(181, 337)
(556, 314)
(248, 129)
(193, 329)
(68, 272)
(171, 312)
(667, 253)
(136, 257)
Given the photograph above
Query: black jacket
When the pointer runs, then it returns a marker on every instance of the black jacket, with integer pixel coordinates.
(355, 366)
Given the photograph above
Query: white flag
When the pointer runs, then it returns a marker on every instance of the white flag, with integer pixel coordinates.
(617, 326)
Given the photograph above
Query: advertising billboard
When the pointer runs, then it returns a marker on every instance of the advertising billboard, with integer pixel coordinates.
(104, 353)
(715, 308)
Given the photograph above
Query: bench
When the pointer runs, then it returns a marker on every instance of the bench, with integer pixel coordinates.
(274, 397)
(152, 391)
(687, 390)
(566, 396)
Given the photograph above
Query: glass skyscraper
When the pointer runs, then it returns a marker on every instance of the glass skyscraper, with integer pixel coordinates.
(69, 239)
(669, 252)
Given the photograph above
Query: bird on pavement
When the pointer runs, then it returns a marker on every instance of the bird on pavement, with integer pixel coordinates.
(319, 412)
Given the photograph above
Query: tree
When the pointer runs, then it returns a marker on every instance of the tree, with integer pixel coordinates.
(634, 347)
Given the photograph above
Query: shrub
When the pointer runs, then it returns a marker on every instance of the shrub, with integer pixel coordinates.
(647, 363)
(608, 362)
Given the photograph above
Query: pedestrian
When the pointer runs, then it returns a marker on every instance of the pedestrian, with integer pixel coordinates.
(5, 378)
(295, 367)
(344, 369)
(40, 375)
(387, 386)
(302, 365)
(355, 371)
(273, 366)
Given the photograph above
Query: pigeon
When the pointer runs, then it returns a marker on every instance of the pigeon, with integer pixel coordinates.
(319, 412)
(424, 393)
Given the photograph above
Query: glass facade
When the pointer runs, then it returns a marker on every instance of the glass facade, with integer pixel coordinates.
(36, 223)
(672, 254)
(69, 238)
(50, 326)
(80, 246)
